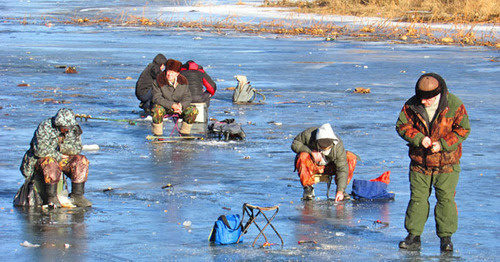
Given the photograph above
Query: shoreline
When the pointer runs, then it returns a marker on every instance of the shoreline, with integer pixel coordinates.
(253, 18)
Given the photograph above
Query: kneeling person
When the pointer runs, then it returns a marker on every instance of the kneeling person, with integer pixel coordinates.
(320, 151)
(55, 149)
(171, 95)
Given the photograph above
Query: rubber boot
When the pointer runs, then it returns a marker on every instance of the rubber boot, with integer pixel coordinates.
(185, 129)
(77, 190)
(446, 244)
(52, 200)
(411, 243)
(158, 129)
(308, 193)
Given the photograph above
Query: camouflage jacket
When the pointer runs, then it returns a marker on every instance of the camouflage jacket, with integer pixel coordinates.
(46, 143)
(306, 142)
(450, 127)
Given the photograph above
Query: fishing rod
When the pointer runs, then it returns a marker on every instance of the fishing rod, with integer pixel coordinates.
(160, 138)
(382, 224)
(85, 117)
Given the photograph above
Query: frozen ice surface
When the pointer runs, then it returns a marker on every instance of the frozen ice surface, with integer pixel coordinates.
(307, 81)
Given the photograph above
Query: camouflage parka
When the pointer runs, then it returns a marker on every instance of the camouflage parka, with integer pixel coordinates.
(49, 141)
(450, 127)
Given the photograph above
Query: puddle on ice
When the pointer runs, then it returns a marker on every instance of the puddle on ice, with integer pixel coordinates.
(306, 81)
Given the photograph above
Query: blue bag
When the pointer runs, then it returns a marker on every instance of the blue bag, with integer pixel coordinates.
(370, 190)
(227, 230)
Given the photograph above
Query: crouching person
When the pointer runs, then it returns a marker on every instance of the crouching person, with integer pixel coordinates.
(321, 151)
(171, 95)
(55, 149)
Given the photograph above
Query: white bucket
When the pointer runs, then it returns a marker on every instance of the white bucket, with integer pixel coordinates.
(202, 112)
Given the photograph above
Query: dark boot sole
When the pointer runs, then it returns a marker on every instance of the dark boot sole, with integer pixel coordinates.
(410, 247)
(447, 248)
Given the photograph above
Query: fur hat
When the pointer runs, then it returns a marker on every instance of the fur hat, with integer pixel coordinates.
(173, 65)
(325, 136)
(429, 85)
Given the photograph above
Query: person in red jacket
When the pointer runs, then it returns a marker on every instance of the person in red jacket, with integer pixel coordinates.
(197, 79)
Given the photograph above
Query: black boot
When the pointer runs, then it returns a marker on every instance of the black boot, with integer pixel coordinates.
(77, 190)
(411, 243)
(446, 244)
(308, 193)
(52, 200)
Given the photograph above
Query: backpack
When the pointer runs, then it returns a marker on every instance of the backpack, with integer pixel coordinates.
(370, 190)
(27, 196)
(226, 129)
(244, 92)
(226, 230)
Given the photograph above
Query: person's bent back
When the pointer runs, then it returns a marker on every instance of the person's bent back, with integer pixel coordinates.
(144, 85)
(198, 78)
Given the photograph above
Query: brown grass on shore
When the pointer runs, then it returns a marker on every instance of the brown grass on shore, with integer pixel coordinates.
(380, 31)
(416, 32)
(445, 11)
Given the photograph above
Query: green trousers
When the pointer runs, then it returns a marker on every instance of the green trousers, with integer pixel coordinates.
(445, 211)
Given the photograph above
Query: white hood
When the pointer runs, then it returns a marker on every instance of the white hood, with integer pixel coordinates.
(326, 131)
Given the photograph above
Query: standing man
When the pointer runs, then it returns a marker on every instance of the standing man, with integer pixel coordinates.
(55, 149)
(171, 95)
(321, 151)
(144, 85)
(198, 78)
(434, 122)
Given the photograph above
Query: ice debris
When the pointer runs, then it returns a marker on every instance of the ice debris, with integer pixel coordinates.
(28, 244)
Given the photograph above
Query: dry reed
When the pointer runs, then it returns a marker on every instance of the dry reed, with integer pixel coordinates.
(447, 11)
(417, 31)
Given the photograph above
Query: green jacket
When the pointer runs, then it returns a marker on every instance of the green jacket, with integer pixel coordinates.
(450, 127)
(306, 142)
